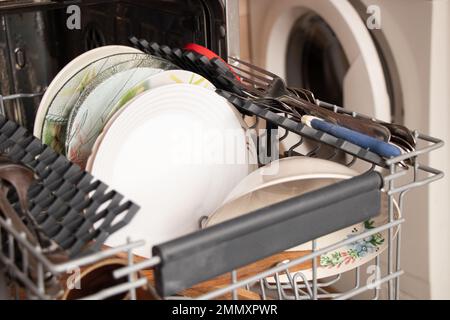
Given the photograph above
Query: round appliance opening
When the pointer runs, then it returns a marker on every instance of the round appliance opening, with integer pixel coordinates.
(315, 59)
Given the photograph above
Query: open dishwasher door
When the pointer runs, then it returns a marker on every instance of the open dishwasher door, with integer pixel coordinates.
(38, 38)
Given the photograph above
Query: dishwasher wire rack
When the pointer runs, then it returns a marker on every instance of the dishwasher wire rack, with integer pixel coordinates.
(197, 253)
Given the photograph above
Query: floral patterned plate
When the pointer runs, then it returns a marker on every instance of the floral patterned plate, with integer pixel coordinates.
(258, 190)
(58, 113)
(355, 254)
(70, 70)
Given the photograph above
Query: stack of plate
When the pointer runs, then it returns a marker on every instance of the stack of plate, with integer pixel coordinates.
(157, 134)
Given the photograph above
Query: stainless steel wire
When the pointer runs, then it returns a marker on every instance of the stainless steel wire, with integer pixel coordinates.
(297, 286)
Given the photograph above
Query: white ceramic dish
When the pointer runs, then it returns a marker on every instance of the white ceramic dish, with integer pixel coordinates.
(282, 186)
(251, 144)
(289, 169)
(57, 116)
(263, 197)
(67, 73)
(78, 87)
(162, 79)
(100, 105)
(163, 150)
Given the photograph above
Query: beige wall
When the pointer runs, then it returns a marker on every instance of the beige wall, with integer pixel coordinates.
(244, 30)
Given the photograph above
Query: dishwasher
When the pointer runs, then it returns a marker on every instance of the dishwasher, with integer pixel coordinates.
(35, 44)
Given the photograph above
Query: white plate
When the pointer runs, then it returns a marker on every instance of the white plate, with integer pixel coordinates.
(162, 79)
(57, 114)
(100, 105)
(164, 152)
(75, 90)
(289, 169)
(252, 153)
(68, 72)
(254, 193)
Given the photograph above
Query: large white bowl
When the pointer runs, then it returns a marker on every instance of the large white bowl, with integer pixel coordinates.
(152, 153)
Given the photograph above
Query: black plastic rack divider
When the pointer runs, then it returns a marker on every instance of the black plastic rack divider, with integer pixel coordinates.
(253, 108)
(69, 206)
(221, 76)
(220, 248)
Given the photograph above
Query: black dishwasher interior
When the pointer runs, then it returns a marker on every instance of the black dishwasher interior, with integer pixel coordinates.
(37, 38)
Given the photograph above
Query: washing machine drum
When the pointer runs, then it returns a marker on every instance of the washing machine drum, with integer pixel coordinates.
(315, 59)
(326, 47)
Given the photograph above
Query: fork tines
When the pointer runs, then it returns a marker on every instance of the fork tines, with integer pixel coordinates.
(251, 74)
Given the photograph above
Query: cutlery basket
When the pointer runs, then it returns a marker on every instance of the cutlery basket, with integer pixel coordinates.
(232, 259)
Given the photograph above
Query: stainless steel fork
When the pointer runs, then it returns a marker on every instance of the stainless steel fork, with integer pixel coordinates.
(265, 84)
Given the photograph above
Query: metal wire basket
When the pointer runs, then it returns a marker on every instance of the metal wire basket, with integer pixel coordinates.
(184, 262)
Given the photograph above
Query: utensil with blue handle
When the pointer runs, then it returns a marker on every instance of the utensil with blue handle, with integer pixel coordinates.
(379, 147)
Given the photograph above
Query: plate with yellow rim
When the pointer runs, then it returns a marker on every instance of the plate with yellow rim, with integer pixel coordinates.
(100, 107)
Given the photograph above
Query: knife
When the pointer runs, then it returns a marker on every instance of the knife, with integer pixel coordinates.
(379, 147)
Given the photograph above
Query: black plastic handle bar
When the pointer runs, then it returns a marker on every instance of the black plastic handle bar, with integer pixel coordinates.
(221, 248)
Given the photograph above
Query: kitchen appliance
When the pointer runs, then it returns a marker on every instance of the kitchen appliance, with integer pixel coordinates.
(27, 71)
(388, 59)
